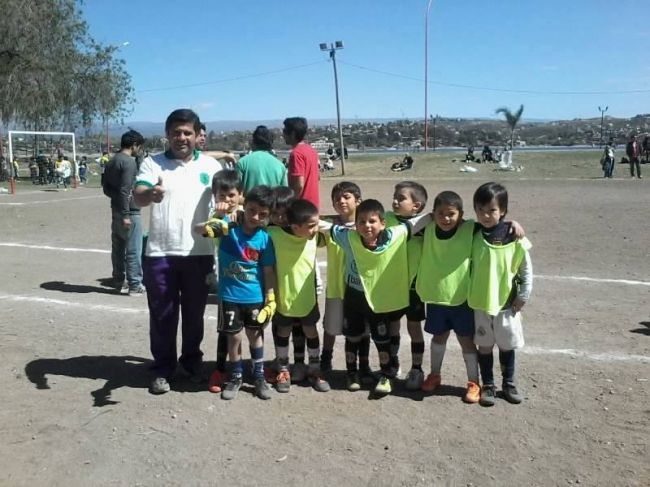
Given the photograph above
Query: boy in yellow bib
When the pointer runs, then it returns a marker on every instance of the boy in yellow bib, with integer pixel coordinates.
(376, 285)
(500, 285)
(295, 251)
(409, 199)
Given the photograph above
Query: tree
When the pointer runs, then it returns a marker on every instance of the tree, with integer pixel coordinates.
(52, 73)
(512, 119)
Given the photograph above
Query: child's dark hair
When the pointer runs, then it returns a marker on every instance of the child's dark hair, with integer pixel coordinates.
(370, 206)
(448, 198)
(296, 126)
(346, 187)
(131, 138)
(263, 195)
(225, 180)
(283, 196)
(418, 192)
(183, 115)
(492, 191)
(300, 211)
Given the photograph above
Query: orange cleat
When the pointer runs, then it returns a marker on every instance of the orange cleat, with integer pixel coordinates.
(217, 379)
(473, 393)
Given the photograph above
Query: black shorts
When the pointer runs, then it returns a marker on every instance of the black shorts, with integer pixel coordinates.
(311, 319)
(358, 314)
(415, 311)
(233, 317)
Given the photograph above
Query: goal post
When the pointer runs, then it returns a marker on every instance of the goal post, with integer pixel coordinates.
(28, 132)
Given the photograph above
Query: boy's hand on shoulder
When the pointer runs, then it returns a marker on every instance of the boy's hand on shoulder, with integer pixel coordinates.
(517, 304)
(517, 230)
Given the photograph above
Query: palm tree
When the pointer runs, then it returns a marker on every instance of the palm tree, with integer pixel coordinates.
(512, 120)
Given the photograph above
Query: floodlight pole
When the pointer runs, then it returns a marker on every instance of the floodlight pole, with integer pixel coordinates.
(602, 119)
(426, 75)
(332, 50)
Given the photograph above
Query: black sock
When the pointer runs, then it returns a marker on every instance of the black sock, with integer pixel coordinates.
(394, 350)
(222, 352)
(298, 338)
(364, 352)
(417, 351)
(485, 363)
(507, 361)
(326, 356)
(383, 348)
(351, 350)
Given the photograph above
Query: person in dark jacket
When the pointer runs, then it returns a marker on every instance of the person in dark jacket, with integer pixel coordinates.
(633, 152)
(126, 227)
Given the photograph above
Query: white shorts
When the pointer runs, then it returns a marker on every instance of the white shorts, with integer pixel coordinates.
(503, 329)
(333, 319)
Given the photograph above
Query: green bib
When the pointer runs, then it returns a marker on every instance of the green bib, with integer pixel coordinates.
(385, 284)
(493, 269)
(413, 246)
(335, 269)
(443, 276)
(295, 268)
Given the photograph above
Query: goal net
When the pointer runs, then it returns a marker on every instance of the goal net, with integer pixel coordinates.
(18, 133)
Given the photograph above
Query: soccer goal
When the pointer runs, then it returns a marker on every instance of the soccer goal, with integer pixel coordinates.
(23, 132)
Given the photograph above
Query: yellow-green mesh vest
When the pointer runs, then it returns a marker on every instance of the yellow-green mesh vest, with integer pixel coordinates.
(493, 269)
(385, 283)
(443, 276)
(413, 246)
(335, 269)
(295, 268)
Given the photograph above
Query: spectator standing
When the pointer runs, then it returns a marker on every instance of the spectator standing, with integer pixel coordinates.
(303, 172)
(261, 167)
(126, 226)
(177, 261)
(633, 152)
(608, 160)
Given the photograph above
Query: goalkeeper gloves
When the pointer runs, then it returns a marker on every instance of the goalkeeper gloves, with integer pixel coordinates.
(266, 313)
(215, 228)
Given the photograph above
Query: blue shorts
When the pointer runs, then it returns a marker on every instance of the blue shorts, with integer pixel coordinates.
(441, 319)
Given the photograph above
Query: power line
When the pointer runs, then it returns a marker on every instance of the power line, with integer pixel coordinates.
(227, 80)
(499, 90)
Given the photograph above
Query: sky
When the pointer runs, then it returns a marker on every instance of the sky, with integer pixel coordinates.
(260, 59)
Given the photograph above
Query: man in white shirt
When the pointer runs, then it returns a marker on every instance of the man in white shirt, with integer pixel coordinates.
(177, 260)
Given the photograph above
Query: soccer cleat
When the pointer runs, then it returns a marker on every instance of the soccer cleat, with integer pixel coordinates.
(414, 379)
(159, 386)
(488, 395)
(270, 375)
(231, 389)
(283, 381)
(216, 381)
(432, 382)
(262, 389)
(473, 393)
(511, 393)
(318, 383)
(353, 382)
(383, 386)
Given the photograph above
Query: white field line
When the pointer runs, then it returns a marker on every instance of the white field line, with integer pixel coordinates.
(324, 264)
(529, 350)
(41, 202)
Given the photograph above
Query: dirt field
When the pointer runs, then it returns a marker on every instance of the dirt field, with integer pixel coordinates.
(76, 411)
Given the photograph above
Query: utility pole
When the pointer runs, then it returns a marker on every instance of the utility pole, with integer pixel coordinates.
(602, 119)
(434, 131)
(426, 75)
(332, 48)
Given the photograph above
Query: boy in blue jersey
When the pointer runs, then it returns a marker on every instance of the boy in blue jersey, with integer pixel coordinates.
(246, 276)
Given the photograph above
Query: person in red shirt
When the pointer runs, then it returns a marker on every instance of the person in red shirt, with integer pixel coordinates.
(303, 171)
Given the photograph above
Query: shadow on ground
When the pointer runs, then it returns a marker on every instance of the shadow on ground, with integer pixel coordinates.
(642, 330)
(117, 371)
(75, 288)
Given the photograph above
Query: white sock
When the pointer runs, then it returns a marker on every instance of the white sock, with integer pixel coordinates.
(437, 355)
(471, 363)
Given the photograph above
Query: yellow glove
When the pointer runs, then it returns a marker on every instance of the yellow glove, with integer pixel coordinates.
(215, 228)
(266, 313)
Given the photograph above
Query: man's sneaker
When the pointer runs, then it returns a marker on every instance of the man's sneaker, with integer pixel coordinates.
(138, 291)
(473, 393)
(353, 381)
(283, 381)
(159, 386)
(298, 372)
(318, 383)
(511, 393)
(488, 395)
(262, 389)
(414, 379)
(366, 374)
(231, 389)
(216, 381)
(384, 386)
(432, 382)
